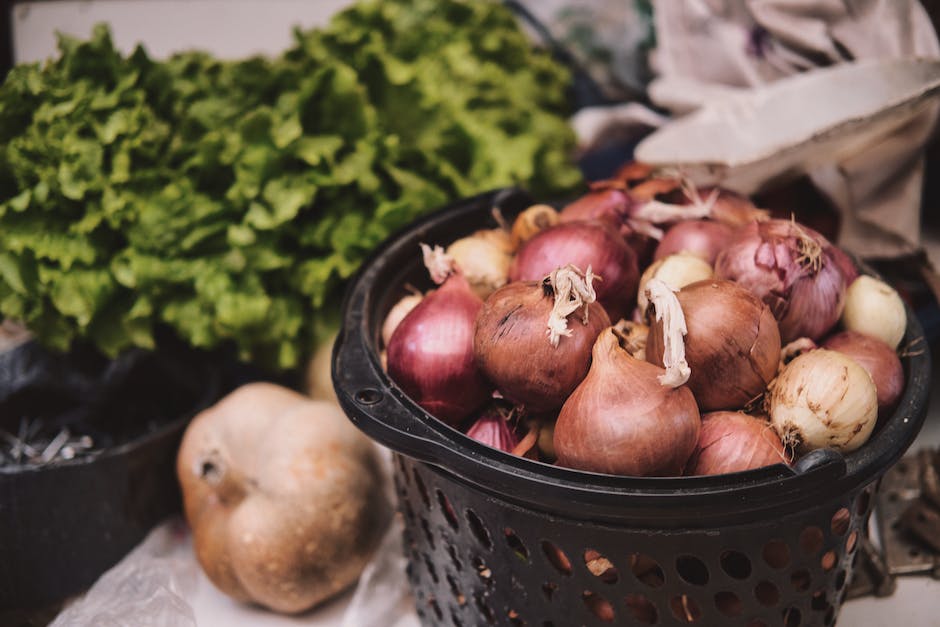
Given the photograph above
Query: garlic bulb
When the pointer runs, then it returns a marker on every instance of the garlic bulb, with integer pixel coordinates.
(873, 308)
(823, 399)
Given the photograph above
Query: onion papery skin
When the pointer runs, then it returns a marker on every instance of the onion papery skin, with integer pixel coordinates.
(609, 204)
(763, 257)
(732, 345)
(583, 244)
(622, 421)
(703, 238)
(878, 359)
(733, 442)
(430, 354)
(512, 348)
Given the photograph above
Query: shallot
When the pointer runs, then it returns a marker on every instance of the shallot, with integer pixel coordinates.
(731, 442)
(530, 222)
(823, 399)
(606, 202)
(792, 269)
(533, 339)
(732, 345)
(622, 420)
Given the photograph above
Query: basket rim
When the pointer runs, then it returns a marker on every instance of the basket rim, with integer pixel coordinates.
(378, 407)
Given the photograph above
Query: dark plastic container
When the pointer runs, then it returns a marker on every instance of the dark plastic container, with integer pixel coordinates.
(63, 524)
(497, 539)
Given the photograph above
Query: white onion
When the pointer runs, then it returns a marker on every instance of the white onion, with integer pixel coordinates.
(873, 308)
(823, 399)
(676, 271)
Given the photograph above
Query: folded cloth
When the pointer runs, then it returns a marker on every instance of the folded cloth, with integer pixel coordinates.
(747, 43)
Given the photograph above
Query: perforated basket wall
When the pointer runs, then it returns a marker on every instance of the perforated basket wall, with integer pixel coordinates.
(494, 539)
(476, 560)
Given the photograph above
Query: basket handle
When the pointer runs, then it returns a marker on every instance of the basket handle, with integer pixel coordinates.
(823, 464)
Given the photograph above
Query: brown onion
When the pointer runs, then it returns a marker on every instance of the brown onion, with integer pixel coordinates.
(584, 244)
(633, 173)
(792, 269)
(704, 238)
(514, 351)
(732, 345)
(732, 442)
(430, 354)
(691, 203)
(878, 359)
(621, 420)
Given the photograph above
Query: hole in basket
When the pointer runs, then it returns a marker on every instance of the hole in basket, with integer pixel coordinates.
(548, 623)
(368, 396)
(409, 511)
(516, 545)
(728, 603)
(485, 609)
(455, 619)
(736, 564)
(864, 499)
(556, 557)
(692, 570)
(455, 590)
(767, 594)
(756, 623)
(647, 570)
(842, 596)
(851, 542)
(685, 608)
(403, 468)
(811, 540)
(453, 557)
(801, 580)
(600, 566)
(478, 529)
(514, 619)
(777, 554)
(819, 602)
(599, 606)
(427, 531)
(792, 617)
(828, 561)
(430, 565)
(422, 489)
(448, 510)
(549, 589)
(840, 522)
(840, 579)
(486, 575)
(830, 615)
(642, 609)
(432, 603)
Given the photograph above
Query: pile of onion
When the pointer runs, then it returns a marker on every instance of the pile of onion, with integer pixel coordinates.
(544, 340)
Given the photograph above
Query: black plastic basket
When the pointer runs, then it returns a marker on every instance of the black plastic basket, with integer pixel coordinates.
(496, 539)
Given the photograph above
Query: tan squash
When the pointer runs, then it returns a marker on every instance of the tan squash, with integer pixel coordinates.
(284, 497)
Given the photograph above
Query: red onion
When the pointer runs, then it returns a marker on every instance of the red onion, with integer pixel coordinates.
(603, 202)
(430, 354)
(792, 269)
(622, 420)
(515, 350)
(704, 238)
(583, 244)
(732, 344)
(732, 442)
(492, 429)
(878, 359)
(845, 264)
